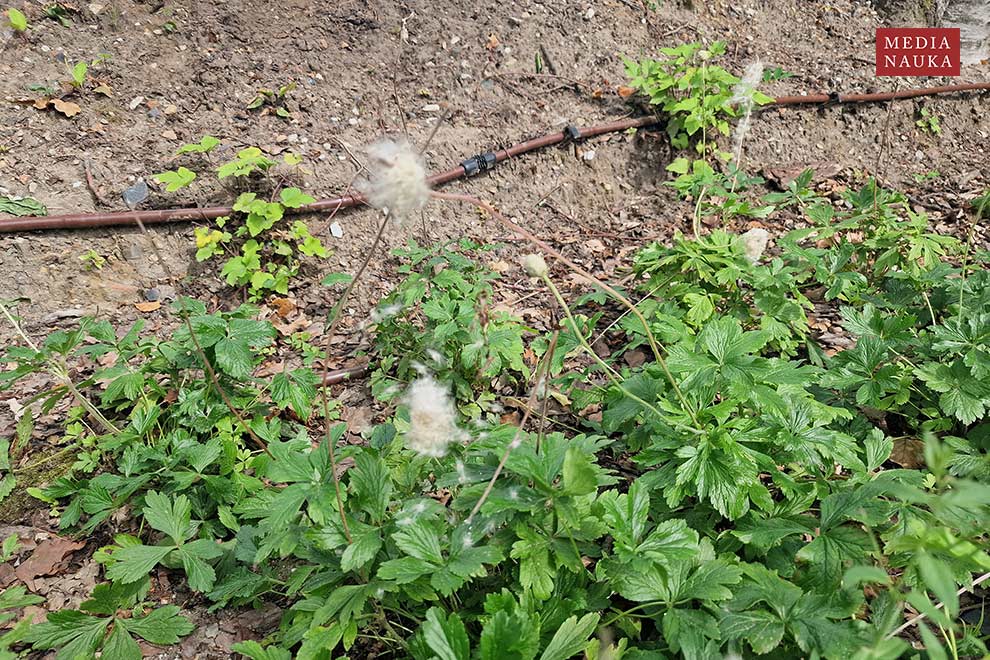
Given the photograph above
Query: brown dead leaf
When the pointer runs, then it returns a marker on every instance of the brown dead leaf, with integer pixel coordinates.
(284, 306)
(67, 108)
(626, 92)
(46, 558)
(492, 42)
(148, 306)
(909, 453)
(42, 103)
(103, 89)
(289, 329)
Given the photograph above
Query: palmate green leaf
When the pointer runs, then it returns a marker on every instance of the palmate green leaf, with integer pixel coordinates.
(194, 558)
(256, 651)
(688, 631)
(671, 540)
(366, 543)
(164, 625)
(765, 534)
(510, 636)
(296, 389)
(640, 582)
(173, 518)
(120, 645)
(570, 638)
(136, 562)
(578, 473)
(420, 541)
(763, 630)
(405, 569)
(532, 551)
(73, 633)
(832, 551)
(371, 482)
(626, 514)
(446, 635)
(710, 581)
(962, 396)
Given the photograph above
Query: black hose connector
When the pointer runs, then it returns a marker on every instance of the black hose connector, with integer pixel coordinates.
(480, 163)
(572, 132)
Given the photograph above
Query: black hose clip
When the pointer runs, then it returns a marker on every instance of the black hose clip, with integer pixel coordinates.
(833, 98)
(572, 133)
(480, 163)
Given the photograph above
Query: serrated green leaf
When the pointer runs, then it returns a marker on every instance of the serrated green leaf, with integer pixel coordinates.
(173, 518)
(136, 562)
(364, 546)
(164, 625)
(446, 635)
(120, 645)
(570, 638)
(578, 473)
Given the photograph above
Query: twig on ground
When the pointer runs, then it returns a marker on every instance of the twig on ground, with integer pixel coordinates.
(93, 189)
(913, 620)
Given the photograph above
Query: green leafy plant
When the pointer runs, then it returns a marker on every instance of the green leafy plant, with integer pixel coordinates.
(929, 122)
(79, 74)
(17, 20)
(691, 90)
(175, 179)
(275, 99)
(437, 318)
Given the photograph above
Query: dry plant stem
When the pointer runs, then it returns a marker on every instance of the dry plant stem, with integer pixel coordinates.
(200, 353)
(910, 622)
(544, 368)
(609, 371)
(513, 227)
(324, 397)
(60, 370)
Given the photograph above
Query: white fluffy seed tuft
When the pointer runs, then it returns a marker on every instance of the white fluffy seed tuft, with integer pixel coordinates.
(535, 265)
(742, 95)
(398, 179)
(755, 243)
(432, 417)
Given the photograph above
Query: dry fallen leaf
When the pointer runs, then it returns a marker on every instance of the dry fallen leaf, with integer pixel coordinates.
(103, 89)
(492, 42)
(67, 108)
(626, 92)
(46, 558)
(284, 306)
(148, 306)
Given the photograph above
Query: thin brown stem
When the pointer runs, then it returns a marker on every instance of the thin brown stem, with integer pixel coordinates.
(529, 236)
(207, 365)
(332, 319)
(543, 368)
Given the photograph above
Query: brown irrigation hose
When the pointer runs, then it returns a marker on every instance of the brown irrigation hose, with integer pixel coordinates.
(86, 220)
(879, 96)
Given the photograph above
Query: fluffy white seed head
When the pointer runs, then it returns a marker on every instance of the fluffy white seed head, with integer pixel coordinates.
(755, 243)
(432, 417)
(535, 265)
(742, 94)
(398, 179)
(743, 91)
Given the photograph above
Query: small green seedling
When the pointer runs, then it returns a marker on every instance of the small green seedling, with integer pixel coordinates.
(79, 72)
(92, 260)
(175, 179)
(274, 99)
(58, 12)
(17, 20)
(921, 177)
(206, 144)
(776, 73)
(929, 122)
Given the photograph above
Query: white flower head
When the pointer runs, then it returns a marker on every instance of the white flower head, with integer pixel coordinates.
(397, 181)
(432, 417)
(755, 243)
(535, 265)
(379, 314)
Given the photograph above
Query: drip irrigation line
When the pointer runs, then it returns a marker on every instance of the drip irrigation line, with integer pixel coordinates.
(474, 165)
